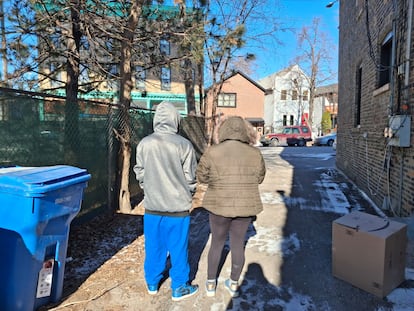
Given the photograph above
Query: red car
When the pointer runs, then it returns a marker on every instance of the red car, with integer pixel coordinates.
(293, 135)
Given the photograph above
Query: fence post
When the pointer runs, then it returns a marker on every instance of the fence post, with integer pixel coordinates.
(110, 156)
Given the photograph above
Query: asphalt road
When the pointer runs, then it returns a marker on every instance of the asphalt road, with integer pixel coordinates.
(316, 195)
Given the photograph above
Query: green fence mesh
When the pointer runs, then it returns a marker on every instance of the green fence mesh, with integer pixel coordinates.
(41, 130)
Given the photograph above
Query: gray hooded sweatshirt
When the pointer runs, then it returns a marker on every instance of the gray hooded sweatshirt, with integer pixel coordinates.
(165, 165)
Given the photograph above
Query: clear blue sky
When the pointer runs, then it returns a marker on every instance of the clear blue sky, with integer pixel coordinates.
(295, 14)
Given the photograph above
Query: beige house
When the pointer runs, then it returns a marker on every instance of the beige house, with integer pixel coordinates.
(239, 96)
(152, 84)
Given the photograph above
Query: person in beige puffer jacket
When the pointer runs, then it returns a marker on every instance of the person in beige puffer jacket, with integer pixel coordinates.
(232, 171)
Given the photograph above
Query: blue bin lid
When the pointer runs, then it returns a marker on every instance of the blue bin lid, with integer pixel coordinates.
(34, 181)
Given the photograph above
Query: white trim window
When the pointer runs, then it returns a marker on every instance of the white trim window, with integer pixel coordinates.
(227, 100)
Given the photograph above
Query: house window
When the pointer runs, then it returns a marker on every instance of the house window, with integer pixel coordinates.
(385, 59)
(55, 38)
(305, 95)
(139, 77)
(108, 44)
(358, 95)
(291, 119)
(55, 74)
(227, 100)
(283, 95)
(85, 44)
(294, 95)
(165, 47)
(284, 120)
(165, 78)
(113, 71)
(112, 79)
(83, 74)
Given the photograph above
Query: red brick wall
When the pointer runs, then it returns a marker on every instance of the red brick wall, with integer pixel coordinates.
(249, 99)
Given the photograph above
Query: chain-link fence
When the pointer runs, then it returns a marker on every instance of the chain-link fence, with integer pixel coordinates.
(41, 130)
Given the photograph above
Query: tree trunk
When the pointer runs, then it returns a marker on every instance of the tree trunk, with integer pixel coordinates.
(189, 87)
(4, 81)
(311, 104)
(124, 194)
(72, 141)
(200, 88)
(125, 89)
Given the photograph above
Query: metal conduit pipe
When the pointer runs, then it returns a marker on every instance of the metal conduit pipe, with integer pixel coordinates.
(406, 89)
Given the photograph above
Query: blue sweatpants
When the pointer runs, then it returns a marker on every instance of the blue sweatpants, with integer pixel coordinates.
(166, 235)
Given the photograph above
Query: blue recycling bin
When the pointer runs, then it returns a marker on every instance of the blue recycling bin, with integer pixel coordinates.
(37, 206)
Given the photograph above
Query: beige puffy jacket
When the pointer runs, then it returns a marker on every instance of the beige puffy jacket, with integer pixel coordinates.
(233, 170)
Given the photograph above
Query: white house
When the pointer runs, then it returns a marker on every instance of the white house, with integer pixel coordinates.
(287, 100)
(326, 100)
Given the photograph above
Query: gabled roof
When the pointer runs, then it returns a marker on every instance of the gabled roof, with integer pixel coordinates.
(331, 88)
(237, 72)
(285, 71)
(247, 78)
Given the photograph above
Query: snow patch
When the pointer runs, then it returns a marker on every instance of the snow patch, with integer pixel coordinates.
(271, 198)
(332, 197)
(278, 244)
(402, 298)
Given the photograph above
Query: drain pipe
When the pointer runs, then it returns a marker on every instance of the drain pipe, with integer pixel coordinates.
(393, 60)
(408, 45)
(406, 91)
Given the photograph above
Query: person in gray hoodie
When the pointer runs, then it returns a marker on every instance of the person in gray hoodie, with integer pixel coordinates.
(165, 169)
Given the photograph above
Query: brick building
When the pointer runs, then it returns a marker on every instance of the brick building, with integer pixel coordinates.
(239, 96)
(376, 78)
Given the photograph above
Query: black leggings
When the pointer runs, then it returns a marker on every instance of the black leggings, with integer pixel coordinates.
(220, 228)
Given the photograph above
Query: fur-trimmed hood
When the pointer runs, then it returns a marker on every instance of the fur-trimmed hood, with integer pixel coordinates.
(235, 128)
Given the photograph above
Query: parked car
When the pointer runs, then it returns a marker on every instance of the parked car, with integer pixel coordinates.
(326, 140)
(290, 135)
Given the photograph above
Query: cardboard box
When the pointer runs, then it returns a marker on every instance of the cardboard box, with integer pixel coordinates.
(369, 252)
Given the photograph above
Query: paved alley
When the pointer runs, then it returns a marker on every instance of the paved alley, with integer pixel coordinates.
(288, 251)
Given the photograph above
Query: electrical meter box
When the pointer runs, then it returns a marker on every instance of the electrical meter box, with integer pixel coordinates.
(400, 125)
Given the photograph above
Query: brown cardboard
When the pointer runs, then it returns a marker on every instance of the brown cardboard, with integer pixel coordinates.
(369, 252)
